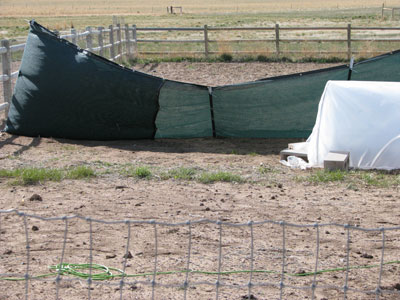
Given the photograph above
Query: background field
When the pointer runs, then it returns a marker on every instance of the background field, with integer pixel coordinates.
(96, 7)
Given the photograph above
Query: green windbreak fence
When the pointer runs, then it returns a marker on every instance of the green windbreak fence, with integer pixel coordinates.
(284, 107)
(184, 111)
(63, 91)
(381, 68)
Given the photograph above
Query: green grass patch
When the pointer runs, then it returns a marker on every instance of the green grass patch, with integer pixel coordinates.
(27, 176)
(141, 172)
(322, 176)
(30, 176)
(219, 176)
(180, 174)
(80, 172)
(266, 170)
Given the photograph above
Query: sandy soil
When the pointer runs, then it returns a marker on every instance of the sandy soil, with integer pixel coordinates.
(276, 194)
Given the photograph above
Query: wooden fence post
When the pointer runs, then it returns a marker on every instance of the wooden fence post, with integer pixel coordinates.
(73, 32)
(348, 41)
(206, 50)
(112, 50)
(277, 40)
(89, 44)
(7, 85)
(135, 49)
(100, 40)
(128, 42)
(119, 40)
(383, 8)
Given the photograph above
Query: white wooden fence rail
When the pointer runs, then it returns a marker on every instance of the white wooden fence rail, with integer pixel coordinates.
(123, 41)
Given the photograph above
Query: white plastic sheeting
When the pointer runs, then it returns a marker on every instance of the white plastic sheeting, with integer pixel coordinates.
(361, 117)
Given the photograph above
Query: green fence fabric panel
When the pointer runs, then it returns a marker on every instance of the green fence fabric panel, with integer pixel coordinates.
(184, 111)
(281, 107)
(381, 68)
(65, 92)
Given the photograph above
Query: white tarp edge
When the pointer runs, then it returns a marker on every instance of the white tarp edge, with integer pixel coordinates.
(361, 117)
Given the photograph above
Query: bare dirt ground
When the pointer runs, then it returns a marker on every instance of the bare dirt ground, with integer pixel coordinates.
(269, 191)
(215, 74)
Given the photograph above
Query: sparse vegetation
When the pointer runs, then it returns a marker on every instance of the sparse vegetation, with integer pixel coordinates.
(26, 176)
(207, 177)
(80, 172)
(32, 175)
(179, 174)
(141, 172)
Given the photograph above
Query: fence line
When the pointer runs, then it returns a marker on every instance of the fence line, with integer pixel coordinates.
(123, 42)
(392, 9)
(282, 285)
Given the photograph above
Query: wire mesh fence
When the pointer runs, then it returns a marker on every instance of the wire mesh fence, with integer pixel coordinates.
(193, 259)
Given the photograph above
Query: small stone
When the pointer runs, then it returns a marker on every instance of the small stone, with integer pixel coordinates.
(366, 255)
(273, 197)
(247, 297)
(35, 197)
(111, 256)
(207, 209)
(327, 232)
(128, 255)
(7, 252)
(280, 185)
(120, 187)
(35, 228)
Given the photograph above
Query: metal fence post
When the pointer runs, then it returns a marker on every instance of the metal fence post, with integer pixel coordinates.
(206, 51)
(128, 42)
(278, 52)
(6, 66)
(348, 41)
(89, 44)
(100, 40)
(112, 50)
(119, 40)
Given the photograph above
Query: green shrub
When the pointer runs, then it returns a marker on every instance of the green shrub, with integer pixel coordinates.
(142, 172)
(226, 57)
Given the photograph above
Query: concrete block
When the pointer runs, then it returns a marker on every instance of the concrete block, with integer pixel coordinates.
(337, 160)
(288, 152)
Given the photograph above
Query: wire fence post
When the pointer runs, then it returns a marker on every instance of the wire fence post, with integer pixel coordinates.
(119, 41)
(277, 40)
(112, 49)
(128, 42)
(73, 39)
(89, 44)
(100, 40)
(206, 52)
(348, 41)
(6, 66)
(135, 49)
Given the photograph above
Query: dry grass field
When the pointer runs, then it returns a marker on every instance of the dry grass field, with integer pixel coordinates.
(101, 7)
